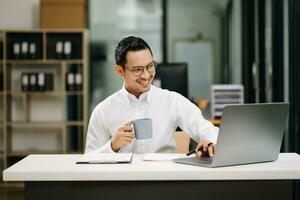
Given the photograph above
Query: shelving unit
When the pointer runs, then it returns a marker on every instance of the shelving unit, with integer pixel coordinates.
(48, 120)
(2, 96)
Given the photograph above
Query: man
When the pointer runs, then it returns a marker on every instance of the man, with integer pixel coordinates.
(109, 129)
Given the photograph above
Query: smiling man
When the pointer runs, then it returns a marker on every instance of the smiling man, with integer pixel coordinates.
(109, 129)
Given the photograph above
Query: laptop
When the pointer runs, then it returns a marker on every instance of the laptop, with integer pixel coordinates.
(249, 133)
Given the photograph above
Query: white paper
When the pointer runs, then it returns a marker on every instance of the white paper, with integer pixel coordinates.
(98, 158)
(162, 156)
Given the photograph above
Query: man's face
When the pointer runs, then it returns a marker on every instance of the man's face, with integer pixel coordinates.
(138, 84)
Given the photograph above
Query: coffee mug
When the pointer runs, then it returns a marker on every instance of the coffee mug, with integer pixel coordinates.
(142, 128)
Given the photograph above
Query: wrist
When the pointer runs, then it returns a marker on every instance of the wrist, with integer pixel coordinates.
(114, 147)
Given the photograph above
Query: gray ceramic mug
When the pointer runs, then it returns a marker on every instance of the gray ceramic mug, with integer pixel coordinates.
(142, 128)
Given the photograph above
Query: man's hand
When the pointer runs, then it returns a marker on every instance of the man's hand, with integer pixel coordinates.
(205, 148)
(123, 137)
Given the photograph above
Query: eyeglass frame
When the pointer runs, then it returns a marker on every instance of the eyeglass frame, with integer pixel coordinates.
(134, 71)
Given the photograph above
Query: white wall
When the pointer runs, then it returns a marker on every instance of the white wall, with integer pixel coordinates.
(18, 14)
(191, 17)
(236, 51)
(187, 19)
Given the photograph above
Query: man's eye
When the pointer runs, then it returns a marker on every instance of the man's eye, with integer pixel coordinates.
(151, 65)
(138, 69)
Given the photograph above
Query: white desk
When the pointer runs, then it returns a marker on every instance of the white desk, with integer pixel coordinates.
(61, 177)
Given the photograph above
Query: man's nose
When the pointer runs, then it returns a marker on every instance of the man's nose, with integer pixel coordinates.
(145, 73)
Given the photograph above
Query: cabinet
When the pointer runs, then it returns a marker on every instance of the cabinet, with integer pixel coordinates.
(225, 94)
(44, 92)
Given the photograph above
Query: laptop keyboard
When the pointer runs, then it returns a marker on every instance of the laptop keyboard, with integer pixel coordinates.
(205, 160)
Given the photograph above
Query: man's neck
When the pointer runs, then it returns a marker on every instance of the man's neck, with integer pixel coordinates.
(137, 95)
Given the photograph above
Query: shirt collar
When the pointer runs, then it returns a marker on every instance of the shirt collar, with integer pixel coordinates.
(146, 96)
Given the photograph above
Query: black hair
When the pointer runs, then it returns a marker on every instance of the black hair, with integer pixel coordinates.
(130, 43)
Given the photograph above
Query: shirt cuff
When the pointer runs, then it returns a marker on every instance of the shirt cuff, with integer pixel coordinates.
(106, 148)
(212, 135)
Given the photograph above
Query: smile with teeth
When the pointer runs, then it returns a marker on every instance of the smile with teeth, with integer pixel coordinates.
(144, 81)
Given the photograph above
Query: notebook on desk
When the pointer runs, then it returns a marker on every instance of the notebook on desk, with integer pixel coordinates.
(105, 158)
(249, 133)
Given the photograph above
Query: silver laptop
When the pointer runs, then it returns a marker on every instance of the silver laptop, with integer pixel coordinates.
(249, 133)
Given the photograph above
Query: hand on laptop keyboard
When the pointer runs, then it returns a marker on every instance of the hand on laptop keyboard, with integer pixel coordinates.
(205, 148)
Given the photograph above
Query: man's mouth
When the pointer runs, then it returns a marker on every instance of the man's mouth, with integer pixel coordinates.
(145, 81)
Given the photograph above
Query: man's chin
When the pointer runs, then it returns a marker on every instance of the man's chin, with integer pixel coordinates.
(145, 88)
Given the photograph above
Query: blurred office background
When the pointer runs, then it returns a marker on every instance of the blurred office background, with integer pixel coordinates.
(249, 43)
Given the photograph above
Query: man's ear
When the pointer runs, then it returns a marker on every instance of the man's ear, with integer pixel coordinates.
(119, 70)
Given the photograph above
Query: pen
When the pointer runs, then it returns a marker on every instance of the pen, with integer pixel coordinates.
(195, 150)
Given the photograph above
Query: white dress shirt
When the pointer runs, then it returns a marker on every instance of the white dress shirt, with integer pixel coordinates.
(167, 109)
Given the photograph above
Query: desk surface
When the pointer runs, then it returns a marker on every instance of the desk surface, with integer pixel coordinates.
(63, 168)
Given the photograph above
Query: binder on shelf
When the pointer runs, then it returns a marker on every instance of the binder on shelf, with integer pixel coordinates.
(64, 45)
(16, 50)
(49, 81)
(32, 50)
(70, 81)
(59, 49)
(74, 78)
(45, 81)
(78, 80)
(41, 86)
(33, 82)
(67, 49)
(38, 81)
(25, 45)
(75, 138)
(24, 50)
(72, 138)
(25, 82)
(72, 107)
(80, 138)
(79, 107)
(63, 49)
(1, 49)
(1, 81)
(75, 113)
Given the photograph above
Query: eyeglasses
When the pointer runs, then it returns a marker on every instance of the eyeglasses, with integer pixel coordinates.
(138, 70)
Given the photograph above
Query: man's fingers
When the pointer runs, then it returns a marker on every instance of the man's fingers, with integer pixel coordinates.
(199, 146)
(205, 146)
(199, 153)
(126, 128)
(211, 150)
(126, 141)
(128, 123)
(205, 149)
(124, 136)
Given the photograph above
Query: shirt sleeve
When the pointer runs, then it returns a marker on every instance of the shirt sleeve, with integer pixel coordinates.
(98, 139)
(190, 120)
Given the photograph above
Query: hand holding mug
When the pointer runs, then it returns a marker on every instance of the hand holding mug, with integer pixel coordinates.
(124, 136)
